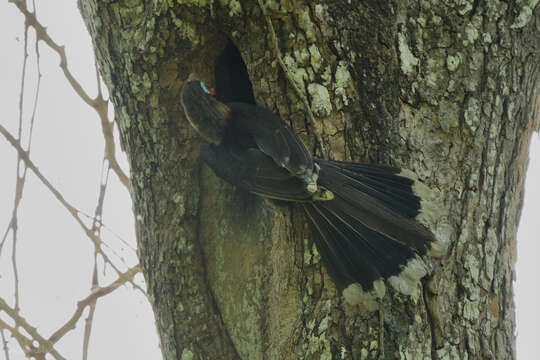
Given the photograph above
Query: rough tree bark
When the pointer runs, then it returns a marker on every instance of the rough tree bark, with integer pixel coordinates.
(443, 88)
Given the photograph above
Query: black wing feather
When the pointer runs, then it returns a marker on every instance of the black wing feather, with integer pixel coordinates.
(344, 264)
(376, 210)
(272, 136)
(255, 172)
(381, 183)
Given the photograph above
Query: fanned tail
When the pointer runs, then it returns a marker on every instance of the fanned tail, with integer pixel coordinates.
(368, 232)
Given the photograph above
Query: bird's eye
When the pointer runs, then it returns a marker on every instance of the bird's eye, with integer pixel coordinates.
(205, 89)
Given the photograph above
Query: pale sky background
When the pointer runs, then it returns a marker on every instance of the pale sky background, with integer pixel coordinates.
(54, 255)
(68, 149)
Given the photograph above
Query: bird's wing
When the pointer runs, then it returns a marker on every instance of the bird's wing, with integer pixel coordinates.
(273, 137)
(254, 171)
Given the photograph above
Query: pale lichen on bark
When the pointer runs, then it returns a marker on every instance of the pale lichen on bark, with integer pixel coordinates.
(474, 155)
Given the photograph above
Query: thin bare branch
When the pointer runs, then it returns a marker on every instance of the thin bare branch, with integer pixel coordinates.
(4, 344)
(98, 77)
(6, 233)
(41, 33)
(110, 148)
(99, 104)
(20, 180)
(109, 229)
(96, 230)
(27, 338)
(14, 263)
(96, 293)
(71, 209)
(24, 342)
(88, 328)
(23, 77)
(21, 173)
(89, 319)
(36, 97)
(45, 346)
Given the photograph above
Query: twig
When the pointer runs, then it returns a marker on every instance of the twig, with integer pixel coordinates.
(4, 344)
(88, 328)
(24, 342)
(23, 76)
(41, 34)
(89, 319)
(110, 147)
(123, 277)
(96, 230)
(21, 178)
(96, 293)
(99, 104)
(110, 230)
(107, 129)
(27, 339)
(45, 346)
(19, 185)
(275, 45)
(71, 209)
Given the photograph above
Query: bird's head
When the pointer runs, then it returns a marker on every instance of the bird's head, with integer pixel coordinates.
(205, 113)
(208, 90)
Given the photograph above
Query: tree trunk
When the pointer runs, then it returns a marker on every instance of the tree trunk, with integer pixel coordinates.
(445, 89)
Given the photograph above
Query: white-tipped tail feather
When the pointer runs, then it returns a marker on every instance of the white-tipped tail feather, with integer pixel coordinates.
(354, 294)
(430, 212)
(407, 282)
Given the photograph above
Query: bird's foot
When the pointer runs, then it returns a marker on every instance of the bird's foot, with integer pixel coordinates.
(323, 195)
(312, 187)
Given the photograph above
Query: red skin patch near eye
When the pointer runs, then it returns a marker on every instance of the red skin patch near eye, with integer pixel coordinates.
(212, 91)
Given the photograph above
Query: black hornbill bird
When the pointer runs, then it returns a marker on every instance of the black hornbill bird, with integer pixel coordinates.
(363, 216)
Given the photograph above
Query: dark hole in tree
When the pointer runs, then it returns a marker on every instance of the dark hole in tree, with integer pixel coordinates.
(232, 80)
(233, 85)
